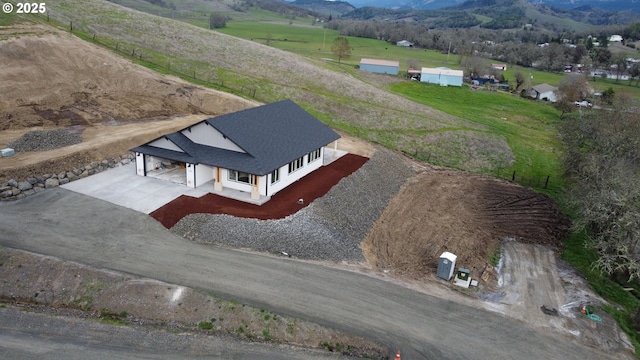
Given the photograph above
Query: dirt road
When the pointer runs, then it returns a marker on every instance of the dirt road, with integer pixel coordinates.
(425, 327)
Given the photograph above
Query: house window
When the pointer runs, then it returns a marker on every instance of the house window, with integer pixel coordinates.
(296, 164)
(239, 176)
(314, 155)
(275, 176)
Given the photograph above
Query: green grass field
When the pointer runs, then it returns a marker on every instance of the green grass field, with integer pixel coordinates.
(527, 126)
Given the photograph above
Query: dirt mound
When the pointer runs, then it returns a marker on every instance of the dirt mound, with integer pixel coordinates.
(51, 78)
(466, 214)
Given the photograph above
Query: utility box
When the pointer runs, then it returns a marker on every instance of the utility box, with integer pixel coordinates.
(462, 278)
(7, 152)
(446, 265)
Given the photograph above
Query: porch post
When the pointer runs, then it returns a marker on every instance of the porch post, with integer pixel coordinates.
(217, 183)
(255, 188)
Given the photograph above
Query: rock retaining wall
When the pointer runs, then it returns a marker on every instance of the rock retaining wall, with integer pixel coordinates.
(15, 189)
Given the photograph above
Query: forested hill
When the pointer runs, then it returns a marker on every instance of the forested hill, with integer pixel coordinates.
(499, 14)
(606, 5)
(326, 7)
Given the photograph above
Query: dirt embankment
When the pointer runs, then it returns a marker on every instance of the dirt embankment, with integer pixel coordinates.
(50, 79)
(46, 281)
(446, 210)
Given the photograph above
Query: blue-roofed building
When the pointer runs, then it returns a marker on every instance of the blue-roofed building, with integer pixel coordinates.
(380, 66)
(260, 150)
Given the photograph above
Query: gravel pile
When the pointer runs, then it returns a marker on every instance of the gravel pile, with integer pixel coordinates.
(330, 228)
(42, 140)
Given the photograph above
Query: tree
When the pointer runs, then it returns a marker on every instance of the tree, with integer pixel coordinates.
(608, 96)
(572, 87)
(520, 79)
(620, 62)
(634, 73)
(217, 21)
(601, 160)
(341, 48)
(476, 66)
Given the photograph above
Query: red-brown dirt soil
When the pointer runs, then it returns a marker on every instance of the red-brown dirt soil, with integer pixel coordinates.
(282, 204)
(466, 214)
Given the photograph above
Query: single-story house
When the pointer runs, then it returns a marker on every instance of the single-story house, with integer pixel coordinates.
(380, 66)
(501, 67)
(544, 92)
(442, 76)
(259, 151)
(405, 43)
(615, 38)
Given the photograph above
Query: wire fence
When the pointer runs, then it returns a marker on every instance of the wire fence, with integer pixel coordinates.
(204, 74)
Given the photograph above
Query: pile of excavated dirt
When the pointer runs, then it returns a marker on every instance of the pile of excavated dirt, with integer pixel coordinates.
(447, 210)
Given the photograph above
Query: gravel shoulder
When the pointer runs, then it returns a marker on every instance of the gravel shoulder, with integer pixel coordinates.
(46, 284)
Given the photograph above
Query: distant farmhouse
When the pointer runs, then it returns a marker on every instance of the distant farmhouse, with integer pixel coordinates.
(544, 92)
(615, 38)
(380, 66)
(405, 43)
(256, 152)
(501, 67)
(442, 76)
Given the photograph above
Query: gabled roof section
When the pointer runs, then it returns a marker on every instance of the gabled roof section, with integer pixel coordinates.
(542, 88)
(364, 61)
(274, 134)
(442, 71)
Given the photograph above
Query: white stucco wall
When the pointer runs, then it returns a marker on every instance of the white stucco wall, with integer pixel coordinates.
(165, 144)
(231, 184)
(204, 174)
(286, 179)
(206, 135)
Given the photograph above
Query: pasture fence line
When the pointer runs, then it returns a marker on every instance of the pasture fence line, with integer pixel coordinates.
(188, 72)
(545, 182)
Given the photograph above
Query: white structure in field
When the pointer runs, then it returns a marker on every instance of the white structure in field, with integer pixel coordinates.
(260, 150)
(544, 92)
(442, 76)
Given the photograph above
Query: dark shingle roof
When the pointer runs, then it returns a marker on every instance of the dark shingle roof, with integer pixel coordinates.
(272, 135)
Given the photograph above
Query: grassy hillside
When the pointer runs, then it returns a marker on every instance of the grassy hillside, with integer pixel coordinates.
(358, 103)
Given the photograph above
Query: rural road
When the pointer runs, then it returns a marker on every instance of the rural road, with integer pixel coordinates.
(33, 336)
(76, 227)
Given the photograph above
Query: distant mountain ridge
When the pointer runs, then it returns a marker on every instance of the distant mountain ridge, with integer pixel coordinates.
(611, 5)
